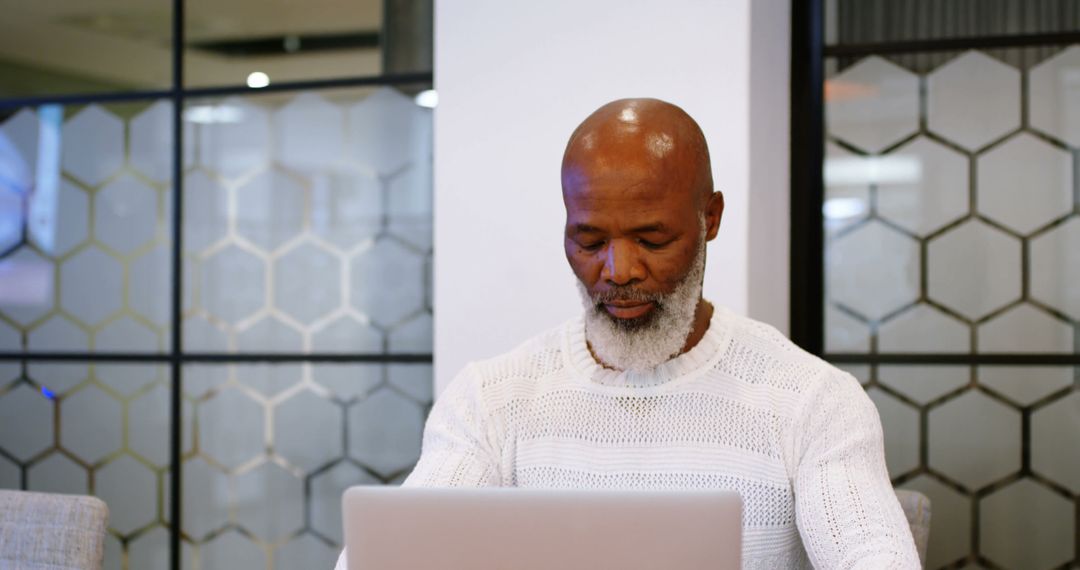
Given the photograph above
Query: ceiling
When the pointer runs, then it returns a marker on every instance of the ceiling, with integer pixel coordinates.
(127, 43)
(206, 19)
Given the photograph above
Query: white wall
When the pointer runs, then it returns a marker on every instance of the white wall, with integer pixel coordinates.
(769, 267)
(514, 79)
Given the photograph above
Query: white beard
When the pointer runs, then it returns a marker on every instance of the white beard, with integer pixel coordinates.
(641, 345)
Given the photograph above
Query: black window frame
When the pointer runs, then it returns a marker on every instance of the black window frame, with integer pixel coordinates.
(809, 52)
(176, 357)
(807, 150)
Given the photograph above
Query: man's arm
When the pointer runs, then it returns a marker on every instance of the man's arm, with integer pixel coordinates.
(460, 448)
(845, 506)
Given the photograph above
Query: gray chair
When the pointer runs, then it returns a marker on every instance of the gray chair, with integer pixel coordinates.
(917, 509)
(41, 531)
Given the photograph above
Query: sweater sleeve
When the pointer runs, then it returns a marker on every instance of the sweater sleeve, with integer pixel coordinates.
(846, 509)
(459, 445)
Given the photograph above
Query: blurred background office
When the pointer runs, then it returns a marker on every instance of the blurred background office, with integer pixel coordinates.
(220, 251)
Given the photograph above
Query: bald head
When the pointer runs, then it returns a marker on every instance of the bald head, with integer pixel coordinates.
(647, 137)
(640, 206)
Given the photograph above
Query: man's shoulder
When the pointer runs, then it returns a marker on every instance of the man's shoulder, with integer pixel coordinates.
(761, 354)
(534, 359)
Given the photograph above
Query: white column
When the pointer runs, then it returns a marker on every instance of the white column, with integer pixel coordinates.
(515, 78)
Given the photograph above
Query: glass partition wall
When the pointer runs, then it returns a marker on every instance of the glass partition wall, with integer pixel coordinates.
(949, 257)
(215, 264)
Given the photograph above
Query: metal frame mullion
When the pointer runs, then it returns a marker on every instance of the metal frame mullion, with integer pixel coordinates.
(807, 150)
(221, 357)
(197, 92)
(176, 441)
(953, 44)
(971, 359)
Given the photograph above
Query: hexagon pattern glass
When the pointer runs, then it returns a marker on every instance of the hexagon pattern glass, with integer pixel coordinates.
(1055, 96)
(1029, 167)
(971, 439)
(974, 269)
(1027, 525)
(287, 431)
(957, 105)
(311, 214)
(84, 193)
(873, 270)
(957, 234)
(873, 104)
(953, 226)
(106, 434)
(924, 202)
(305, 212)
(249, 430)
(307, 228)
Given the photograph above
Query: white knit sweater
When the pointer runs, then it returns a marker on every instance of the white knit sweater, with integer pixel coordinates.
(745, 409)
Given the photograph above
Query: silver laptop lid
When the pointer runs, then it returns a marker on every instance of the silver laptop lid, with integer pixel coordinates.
(390, 528)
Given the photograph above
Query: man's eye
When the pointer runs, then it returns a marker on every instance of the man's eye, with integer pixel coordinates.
(592, 246)
(651, 244)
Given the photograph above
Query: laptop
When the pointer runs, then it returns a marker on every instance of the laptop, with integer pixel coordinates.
(391, 528)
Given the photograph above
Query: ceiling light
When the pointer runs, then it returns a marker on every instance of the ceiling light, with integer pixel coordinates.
(428, 98)
(258, 79)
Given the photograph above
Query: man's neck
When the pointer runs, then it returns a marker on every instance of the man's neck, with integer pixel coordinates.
(702, 315)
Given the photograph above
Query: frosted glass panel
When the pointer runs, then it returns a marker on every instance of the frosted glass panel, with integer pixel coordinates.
(933, 194)
(1026, 525)
(900, 423)
(1055, 268)
(106, 434)
(84, 234)
(974, 440)
(1042, 170)
(957, 113)
(951, 225)
(959, 237)
(968, 424)
(872, 270)
(301, 433)
(974, 269)
(309, 220)
(1055, 96)
(873, 104)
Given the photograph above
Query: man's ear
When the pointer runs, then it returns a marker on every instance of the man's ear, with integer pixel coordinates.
(714, 210)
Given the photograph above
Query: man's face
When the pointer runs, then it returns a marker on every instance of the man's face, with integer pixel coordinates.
(633, 229)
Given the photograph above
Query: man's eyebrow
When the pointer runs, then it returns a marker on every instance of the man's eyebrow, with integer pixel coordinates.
(649, 228)
(585, 229)
(645, 229)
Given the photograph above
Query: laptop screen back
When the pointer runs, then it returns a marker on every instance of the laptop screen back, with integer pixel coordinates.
(388, 528)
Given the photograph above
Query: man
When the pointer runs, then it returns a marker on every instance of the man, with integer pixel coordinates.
(655, 388)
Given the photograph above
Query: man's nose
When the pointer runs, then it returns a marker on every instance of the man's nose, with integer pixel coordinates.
(622, 265)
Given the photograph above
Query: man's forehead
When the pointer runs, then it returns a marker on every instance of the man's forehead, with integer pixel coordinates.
(628, 208)
(617, 177)
(625, 185)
